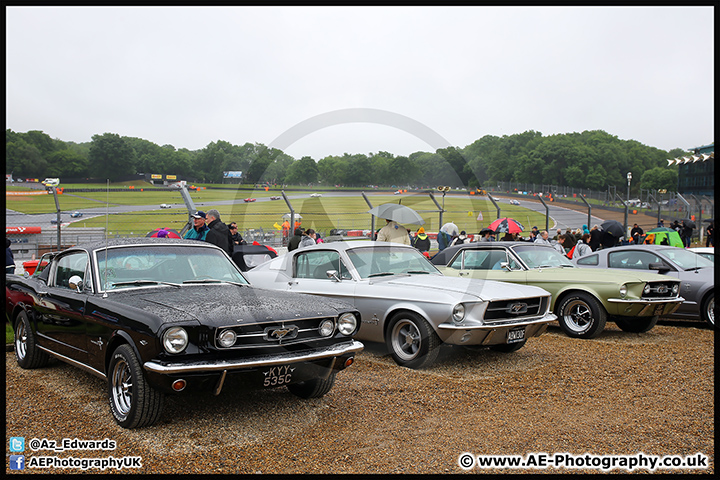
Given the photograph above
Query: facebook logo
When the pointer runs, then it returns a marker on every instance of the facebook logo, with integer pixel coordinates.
(17, 462)
(17, 444)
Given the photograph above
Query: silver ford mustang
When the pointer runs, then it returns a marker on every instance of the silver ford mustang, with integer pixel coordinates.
(406, 302)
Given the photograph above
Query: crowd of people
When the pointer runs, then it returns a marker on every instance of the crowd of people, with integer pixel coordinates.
(208, 227)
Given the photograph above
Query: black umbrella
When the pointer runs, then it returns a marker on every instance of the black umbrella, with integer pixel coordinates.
(689, 223)
(613, 227)
(709, 220)
(487, 230)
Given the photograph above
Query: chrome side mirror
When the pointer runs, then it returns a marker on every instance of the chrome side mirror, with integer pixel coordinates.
(333, 275)
(75, 283)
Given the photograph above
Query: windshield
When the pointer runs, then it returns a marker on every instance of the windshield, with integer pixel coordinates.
(536, 256)
(389, 260)
(134, 266)
(686, 259)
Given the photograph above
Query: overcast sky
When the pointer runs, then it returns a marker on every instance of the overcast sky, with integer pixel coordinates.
(325, 81)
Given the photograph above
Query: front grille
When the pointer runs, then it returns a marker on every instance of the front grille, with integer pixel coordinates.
(270, 334)
(516, 309)
(660, 290)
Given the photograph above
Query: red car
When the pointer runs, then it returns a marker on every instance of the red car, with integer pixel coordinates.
(249, 200)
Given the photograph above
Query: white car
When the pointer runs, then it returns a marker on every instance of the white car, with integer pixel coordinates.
(316, 194)
(707, 252)
(514, 202)
(165, 205)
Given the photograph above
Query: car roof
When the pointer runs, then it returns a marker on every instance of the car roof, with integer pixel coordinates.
(121, 242)
(444, 256)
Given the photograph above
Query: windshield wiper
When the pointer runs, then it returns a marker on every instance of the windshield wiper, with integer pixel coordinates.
(144, 282)
(418, 271)
(380, 274)
(203, 280)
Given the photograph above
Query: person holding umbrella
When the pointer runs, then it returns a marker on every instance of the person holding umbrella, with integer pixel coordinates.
(393, 232)
(687, 230)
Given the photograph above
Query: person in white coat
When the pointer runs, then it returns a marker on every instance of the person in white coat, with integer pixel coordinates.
(582, 248)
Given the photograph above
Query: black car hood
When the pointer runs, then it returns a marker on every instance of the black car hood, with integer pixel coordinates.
(220, 304)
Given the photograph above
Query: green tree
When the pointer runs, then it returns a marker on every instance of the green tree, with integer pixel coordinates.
(111, 157)
(302, 172)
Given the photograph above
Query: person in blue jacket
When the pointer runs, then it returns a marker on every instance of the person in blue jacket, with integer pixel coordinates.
(199, 230)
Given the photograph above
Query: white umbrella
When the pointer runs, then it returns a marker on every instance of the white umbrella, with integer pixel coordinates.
(398, 213)
(287, 216)
(450, 228)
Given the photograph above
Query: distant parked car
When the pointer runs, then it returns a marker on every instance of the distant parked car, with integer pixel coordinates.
(707, 252)
(126, 310)
(582, 301)
(248, 200)
(696, 273)
(316, 194)
(76, 214)
(165, 205)
(405, 301)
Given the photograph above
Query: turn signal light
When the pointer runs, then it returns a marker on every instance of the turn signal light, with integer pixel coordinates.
(179, 385)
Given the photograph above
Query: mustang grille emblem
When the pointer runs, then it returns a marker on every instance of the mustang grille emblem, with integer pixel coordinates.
(281, 333)
(517, 308)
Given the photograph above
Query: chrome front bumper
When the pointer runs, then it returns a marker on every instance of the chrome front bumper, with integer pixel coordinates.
(253, 362)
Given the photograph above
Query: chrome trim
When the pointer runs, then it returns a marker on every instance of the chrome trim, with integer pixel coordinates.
(645, 301)
(499, 324)
(69, 360)
(255, 362)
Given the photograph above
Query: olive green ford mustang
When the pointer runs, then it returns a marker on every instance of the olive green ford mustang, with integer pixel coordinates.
(583, 299)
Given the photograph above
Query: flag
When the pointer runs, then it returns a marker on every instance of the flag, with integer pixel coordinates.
(277, 227)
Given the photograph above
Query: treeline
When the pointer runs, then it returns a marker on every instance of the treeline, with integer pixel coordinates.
(591, 159)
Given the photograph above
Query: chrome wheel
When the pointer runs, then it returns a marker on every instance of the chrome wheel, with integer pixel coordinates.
(406, 340)
(122, 388)
(581, 315)
(21, 341)
(577, 316)
(708, 311)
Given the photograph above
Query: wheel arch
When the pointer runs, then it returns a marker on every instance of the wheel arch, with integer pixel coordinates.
(558, 299)
(119, 337)
(398, 309)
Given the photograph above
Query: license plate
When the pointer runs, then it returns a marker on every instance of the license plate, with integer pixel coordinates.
(276, 376)
(659, 309)
(516, 335)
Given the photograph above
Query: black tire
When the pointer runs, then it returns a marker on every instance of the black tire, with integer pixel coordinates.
(314, 388)
(637, 324)
(708, 310)
(412, 341)
(508, 347)
(27, 353)
(581, 315)
(133, 402)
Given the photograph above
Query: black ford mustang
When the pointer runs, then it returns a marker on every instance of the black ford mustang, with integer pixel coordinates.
(159, 316)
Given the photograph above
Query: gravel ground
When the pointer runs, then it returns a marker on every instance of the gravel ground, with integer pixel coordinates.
(618, 394)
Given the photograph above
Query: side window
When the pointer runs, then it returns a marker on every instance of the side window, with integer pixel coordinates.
(457, 263)
(315, 265)
(588, 260)
(631, 259)
(69, 266)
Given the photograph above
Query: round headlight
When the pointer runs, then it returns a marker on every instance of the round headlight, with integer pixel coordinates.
(676, 289)
(227, 338)
(623, 291)
(458, 313)
(327, 327)
(347, 323)
(175, 339)
(646, 290)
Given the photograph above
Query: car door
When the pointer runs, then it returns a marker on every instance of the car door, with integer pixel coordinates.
(310, 275)
(61, 310)
(487, 263)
